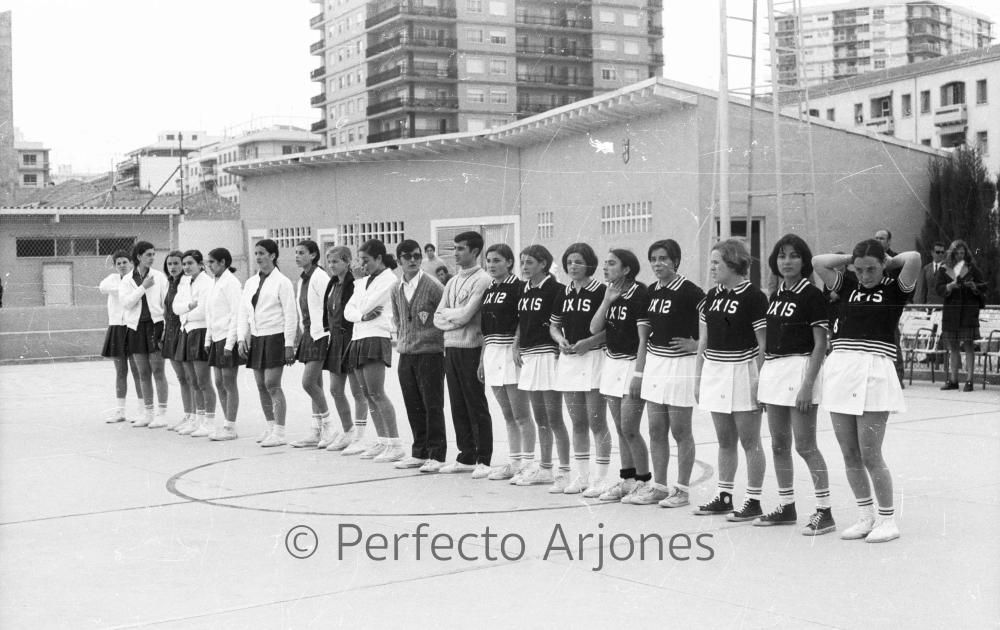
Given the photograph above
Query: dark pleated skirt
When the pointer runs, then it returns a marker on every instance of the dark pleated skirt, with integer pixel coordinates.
(336, 353)
(369, 350)
(145, 339)
(217, 356)
(310, 350)
(266, 352)
(191, 346)
(171, 337)
(114, 342)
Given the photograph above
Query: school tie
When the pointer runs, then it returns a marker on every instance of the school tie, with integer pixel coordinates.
(256, 296)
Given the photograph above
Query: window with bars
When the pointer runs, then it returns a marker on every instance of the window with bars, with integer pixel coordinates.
(72, 246)
(625, 218)
(389, 232)
(546, 224)
(289, 237)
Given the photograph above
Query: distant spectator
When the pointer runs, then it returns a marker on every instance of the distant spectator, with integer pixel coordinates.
(442, 274)
(431, 261)
(961, 285)
(884, 236)
(927, 282)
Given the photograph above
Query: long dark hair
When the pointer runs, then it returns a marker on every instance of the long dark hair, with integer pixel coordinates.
(139, 249)
(312, 248)
(376, 249)
(174, 253)
(628, 259)
(800, 247)
(270, 247)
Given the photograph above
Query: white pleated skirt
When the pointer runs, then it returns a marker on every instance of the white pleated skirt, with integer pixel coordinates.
(538, 372)
(615, 376)
(727, 387)
(579, 372)
(856, 382)
(781, 379)
(499, 368)
(669, 380)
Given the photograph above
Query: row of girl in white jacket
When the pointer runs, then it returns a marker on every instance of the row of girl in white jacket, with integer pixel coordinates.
(196, 315)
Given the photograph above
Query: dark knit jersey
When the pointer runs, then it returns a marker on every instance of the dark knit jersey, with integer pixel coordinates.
(731, 316)
(534, 311)
(499, 312)
(672, 312)
(792, 313)
(868, 317)
(575, 310)
(621, 323)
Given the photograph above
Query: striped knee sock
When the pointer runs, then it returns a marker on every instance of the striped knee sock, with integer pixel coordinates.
(823, 498)
(603, 464)
(545, 466)
(886, 512)
(582, 463)
(724, 486)
(867, 507)
(753, 493)
(786, 496)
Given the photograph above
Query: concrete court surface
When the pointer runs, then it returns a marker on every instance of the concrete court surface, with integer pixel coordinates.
(108, 526)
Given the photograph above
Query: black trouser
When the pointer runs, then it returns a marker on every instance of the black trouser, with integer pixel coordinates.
(421, 378)
(469, 410)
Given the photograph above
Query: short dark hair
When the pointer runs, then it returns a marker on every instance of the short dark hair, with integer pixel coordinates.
(174, 253)
(628, 259)
(407, 246)
(539, 253)
(310, 246)
(376, 249)
(430, 246)
(121, 253)
(505, 251)
(222, 255)
(474, 240)
(800, 247)
(670, 246)
(270, 247)
(869, 247)
(586, 252)
(139, 249)
(939, 244)
(194, 253)
(888, 234)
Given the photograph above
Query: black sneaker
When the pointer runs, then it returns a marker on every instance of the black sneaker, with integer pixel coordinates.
(949, 385)
(782, 515)
(821, 522)
(968, 387)
(749, 511)
(722, 504)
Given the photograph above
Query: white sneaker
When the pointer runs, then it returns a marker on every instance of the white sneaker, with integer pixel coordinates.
(178, 424)
(191, 426)
(501, 473)
(618, 490)
(339, 441)
(310, 441)
(374, 450)
(326, 436)
(389, 454)
(521, 472)
(143, 422)
(203, 430)
(115, 417)
(537, 477)
(596, 488)
(274, 440)
(628, 496)
(410, 462)
(559, 485)
(860, 529)
(578, 485)
(885, 530)
(354, 448)
(648, 494)
(224, 434)
(268, 428)
(482, 471)
(159, 421)
(456, 467)
(676, 498)
(431, 466)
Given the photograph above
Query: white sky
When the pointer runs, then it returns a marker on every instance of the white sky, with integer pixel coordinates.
(94, 79)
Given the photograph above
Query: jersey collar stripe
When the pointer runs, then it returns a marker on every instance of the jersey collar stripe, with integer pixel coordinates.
(676, 283)
(798, 288)
(631, 291)
(738, 289)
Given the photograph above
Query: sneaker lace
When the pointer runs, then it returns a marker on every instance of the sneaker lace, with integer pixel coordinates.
(815, 519)
(746, 505)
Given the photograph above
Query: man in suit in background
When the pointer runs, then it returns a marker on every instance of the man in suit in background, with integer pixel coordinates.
(925, 293)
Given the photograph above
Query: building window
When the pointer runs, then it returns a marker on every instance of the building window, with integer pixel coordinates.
(30, 159)
(631, 48)
(630, 19)
(476, 95)
(881, 107)
(474, 35)
(607, 17)
(30, 179)
(546, 224)
(880, 64)
(498, 66)
(980, 91)
(625, 218)
(286, 149)
(474, 6)
(389, 232)
(475, 65)
(925, 101)
(498, 97)
(498, 37)
(926, 142)
(170, 136)
(631, 75)
(953, 93)
(609, 45)
(74, 246)
(982, 141)
(859, 116)
(475, 124)
(907, 106)
(498, 7)
(608, 74)
(289, 237)
(830, 115)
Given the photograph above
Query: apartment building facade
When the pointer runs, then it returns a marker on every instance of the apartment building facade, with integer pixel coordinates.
(842, 40)
(154, 165)
(942, 103)
(412, 68)
(33, 169)
(204, 169)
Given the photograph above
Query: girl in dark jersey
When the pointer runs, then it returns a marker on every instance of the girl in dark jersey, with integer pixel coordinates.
(796, 346)
(578, 371)
(860, 388)
(669, 365)
(624, 303)
(731, 350)
(172, 333)
(499, 365)
(538, 370)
